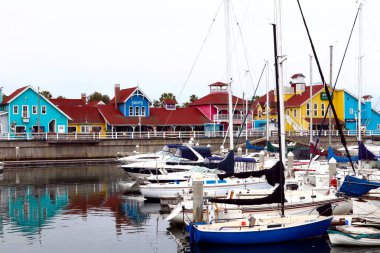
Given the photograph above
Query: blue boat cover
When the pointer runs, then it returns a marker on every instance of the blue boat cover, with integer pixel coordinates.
(187, 153)
(227, 165)
(365, 154)
(340, 159)
(355, 187)
(249, 146)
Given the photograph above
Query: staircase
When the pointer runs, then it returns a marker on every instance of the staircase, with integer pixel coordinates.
(295, 126)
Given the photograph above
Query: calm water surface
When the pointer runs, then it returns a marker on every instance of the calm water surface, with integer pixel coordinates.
(85, 209)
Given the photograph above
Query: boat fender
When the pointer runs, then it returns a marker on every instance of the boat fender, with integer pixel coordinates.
(334, 182)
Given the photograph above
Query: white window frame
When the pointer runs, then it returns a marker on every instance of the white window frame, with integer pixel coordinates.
(42, 109)
(34, 109)
(351, 110)
(86, 128)
(137, 111)
(131, 111)
(15, 109)
(308, 110)
(323, 109)
(143, 111)
(315, 109)
(26, 115)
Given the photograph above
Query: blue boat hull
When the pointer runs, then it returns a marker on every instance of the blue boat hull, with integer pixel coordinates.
(303, 231)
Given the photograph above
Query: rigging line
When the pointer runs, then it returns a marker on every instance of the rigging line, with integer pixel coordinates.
(250, 105)
(342, 138)
(244, 48)
(336, 81)
(225, 137)
(196, 58)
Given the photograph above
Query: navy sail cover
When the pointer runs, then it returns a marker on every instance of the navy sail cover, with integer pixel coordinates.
(355, 187)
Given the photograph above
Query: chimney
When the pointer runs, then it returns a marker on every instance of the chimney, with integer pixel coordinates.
(83, 98)
(117, 94)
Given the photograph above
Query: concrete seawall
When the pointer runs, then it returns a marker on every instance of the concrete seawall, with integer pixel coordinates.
(86, 149)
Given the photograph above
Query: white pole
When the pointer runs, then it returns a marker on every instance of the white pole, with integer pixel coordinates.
(311, 102)
(267, 99)
(360, 56)
(280, 74)
(228, 70)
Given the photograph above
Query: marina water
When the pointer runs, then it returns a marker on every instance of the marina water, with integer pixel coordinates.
(85, 209)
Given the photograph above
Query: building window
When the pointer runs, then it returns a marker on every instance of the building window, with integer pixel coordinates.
(25, 111)
(72, 129)
(15, 109)
(260, 114)
(85, 129)
(287, 112)
(323, 109)
(351, 110)
(137, 111)
(315, 109)
(378, 126)
(96, 129)
(143, 111)
(43, 109)
(295, 113)
(131, 111)
(34, 109)
(308, 110)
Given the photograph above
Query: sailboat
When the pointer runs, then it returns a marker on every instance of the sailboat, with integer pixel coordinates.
(263, 229)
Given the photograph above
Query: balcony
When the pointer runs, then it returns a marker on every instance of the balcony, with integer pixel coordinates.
(236, 117)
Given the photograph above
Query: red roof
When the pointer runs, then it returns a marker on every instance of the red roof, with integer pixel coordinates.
(14, 94)
(95, 103)
(123, 95)
(299, 99)
(170, 101)
(67, 102)
(319, 121)
(218, 84)
(216, 99)
(83, 114)
(297, 75)
(157, 117)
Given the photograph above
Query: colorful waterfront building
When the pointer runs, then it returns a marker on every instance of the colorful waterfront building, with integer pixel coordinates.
(27, 111)
(300, 110)
(85, 117)
(215, 107)
(130, 111)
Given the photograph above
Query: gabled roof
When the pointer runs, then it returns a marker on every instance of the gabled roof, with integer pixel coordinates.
(76, 102)
(83, 114)
(15, 94)
(216, 99)
(95, 103)
(297, 75)
(19, 91)
(157, 117)
(125, 94)
(170, 101)
(299, 99)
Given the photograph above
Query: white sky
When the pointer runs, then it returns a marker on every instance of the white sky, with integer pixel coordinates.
(74, 46)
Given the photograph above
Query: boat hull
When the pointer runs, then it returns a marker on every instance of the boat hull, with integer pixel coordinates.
(338, 238)
(267, 235)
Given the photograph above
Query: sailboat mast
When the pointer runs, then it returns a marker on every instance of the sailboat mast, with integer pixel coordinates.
(279, 112)
(228, 70)
(360, 70)
(331, 64)
(311, 111)
(280, 98)
(267, 98)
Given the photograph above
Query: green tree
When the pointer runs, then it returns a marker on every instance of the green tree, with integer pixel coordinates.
(156, 103)
(193, 98)
(60, 97)
(167, 96)
(97, 96)
(46, 94)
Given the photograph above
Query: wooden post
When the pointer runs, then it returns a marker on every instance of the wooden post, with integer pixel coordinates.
(197, 199)
(290, 164)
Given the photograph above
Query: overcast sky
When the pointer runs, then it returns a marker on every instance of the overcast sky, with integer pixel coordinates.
(74, 46)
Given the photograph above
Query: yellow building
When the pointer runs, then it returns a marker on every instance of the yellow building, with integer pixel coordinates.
(298, 110)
